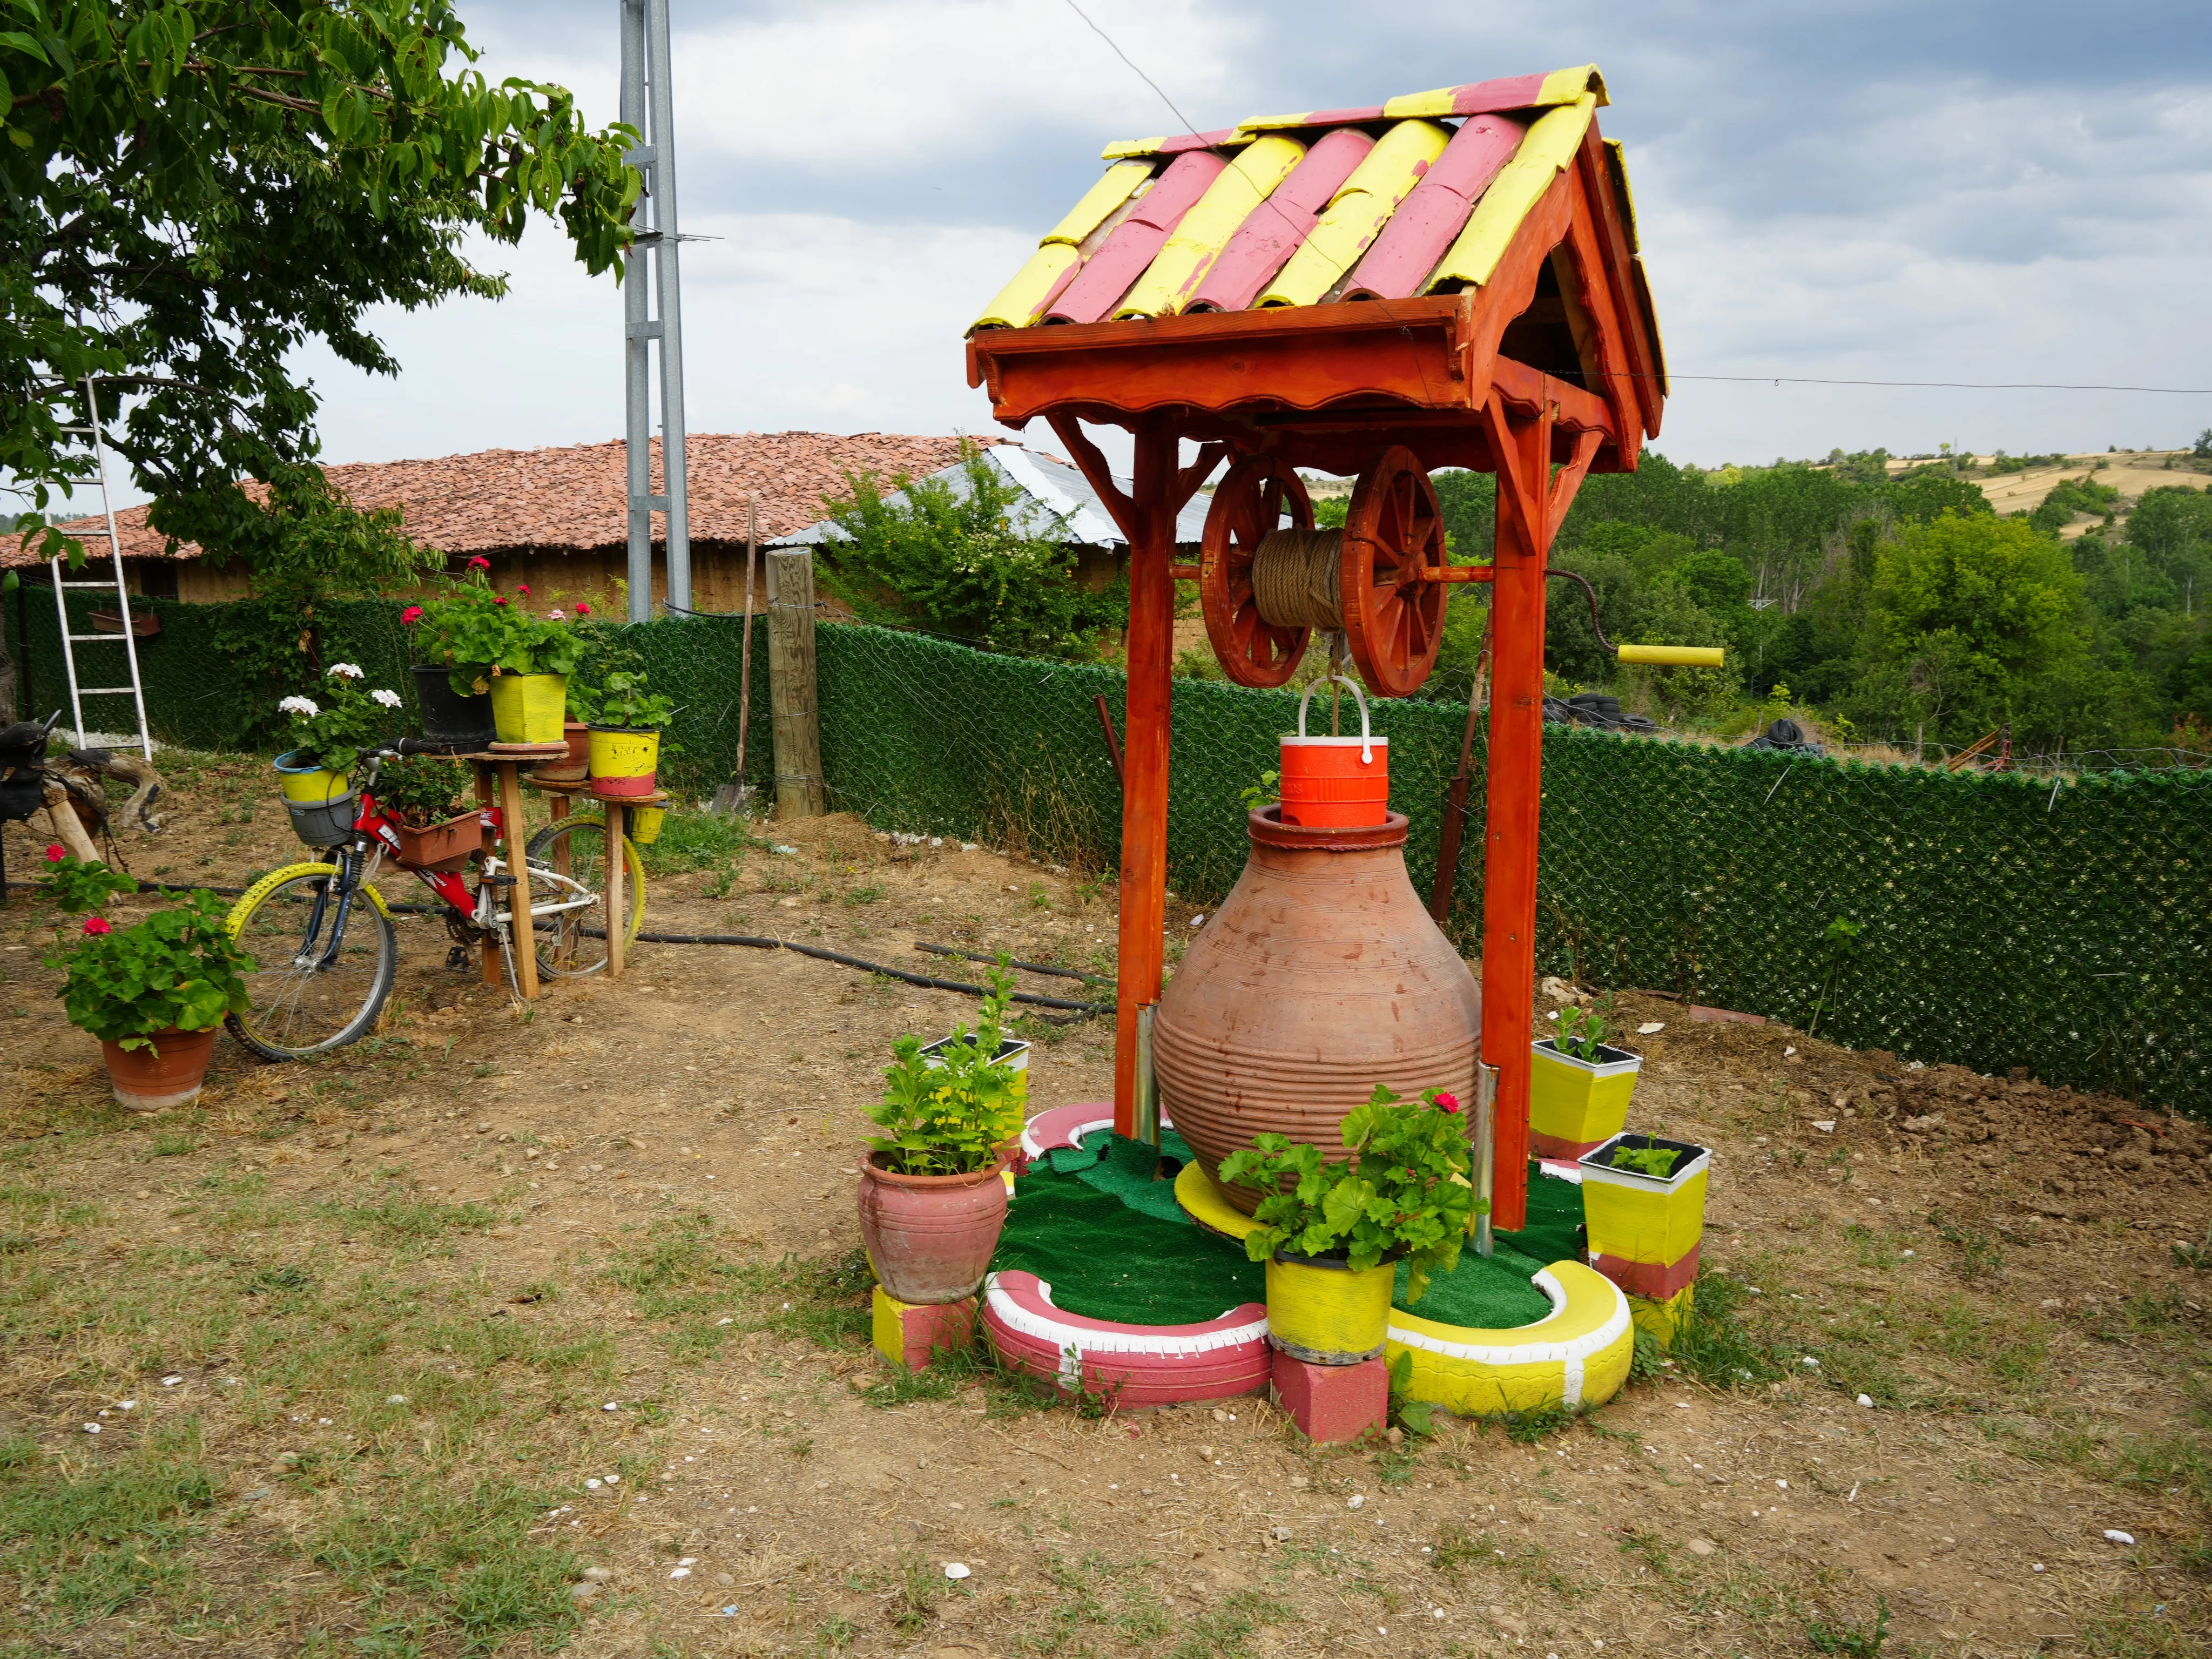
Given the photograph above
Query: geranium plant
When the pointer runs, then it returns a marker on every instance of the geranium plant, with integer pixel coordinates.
(178, 969)
(1403, 1192)
(624, 701)
(478, 632)
(424, 789)
(349, 718)
(954, 1117)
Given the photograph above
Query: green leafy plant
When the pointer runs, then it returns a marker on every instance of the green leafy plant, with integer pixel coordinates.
(1267, 789)
(424, 789)
(1658, 1161)
(177, 970)
(1582, 1034)
(478, 632)
(332, 733)
(952, 1113)
(1856, 1642)
(623, 701)
(76, 886)
(1403, 1192)
(1839, 944)
(1415, 1417)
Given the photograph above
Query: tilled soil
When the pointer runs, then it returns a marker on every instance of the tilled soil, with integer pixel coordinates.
(614, 1237)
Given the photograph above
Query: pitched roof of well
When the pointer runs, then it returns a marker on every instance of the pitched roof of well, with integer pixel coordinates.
(1052, 493)
(576, 497)
(1419, 195)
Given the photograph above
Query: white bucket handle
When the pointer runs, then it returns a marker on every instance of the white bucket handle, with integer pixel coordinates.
(1366, 737)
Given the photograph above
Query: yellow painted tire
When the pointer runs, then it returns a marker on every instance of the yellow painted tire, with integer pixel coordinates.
(296, 1012)
(1576, 1355)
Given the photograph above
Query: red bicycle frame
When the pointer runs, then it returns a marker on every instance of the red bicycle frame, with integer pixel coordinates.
(382, 830)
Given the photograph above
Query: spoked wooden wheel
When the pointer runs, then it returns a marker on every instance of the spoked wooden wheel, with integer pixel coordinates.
(1249, 503)
(1393, 610)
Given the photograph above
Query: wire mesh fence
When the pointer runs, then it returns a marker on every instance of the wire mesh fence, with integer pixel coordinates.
(2063, 923)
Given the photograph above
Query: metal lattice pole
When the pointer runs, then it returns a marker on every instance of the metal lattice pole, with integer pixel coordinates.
(648, 105)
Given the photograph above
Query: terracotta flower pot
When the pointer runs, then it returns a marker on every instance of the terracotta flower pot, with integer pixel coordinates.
(168, 1074)
(930, 1239)
(575, 766)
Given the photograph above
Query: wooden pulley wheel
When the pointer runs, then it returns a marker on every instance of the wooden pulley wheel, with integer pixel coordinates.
(1393, 545)
(1249, 503)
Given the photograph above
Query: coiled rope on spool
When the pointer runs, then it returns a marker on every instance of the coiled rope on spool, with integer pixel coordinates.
(1296, 579)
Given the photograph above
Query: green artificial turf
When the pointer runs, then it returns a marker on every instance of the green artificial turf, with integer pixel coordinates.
(1094, 1223)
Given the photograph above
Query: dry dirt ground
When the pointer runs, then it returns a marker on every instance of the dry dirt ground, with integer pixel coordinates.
(496, 1334)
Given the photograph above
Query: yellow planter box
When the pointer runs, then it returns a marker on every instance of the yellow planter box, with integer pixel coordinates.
(1325, 1314)
(1575, 1106)
(308, 784)
(1644, 1231)
(645, 823)
(530, 707)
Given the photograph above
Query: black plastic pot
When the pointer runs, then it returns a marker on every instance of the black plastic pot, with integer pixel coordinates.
(446, 716)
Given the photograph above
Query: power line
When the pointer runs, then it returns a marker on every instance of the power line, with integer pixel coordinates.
(1189, 126)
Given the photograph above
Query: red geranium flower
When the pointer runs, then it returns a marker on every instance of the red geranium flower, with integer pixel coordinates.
(501, 599)
(582, 609)
(1448, 1100)
(97, 925)
(522, 587)
(55, 855)
(479, 563)
(411, 615)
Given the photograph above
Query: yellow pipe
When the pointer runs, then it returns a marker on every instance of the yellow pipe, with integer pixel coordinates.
(1677, 656)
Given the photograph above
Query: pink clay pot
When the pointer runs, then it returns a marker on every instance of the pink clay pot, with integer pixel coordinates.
(168, 1074)
(930, 1237)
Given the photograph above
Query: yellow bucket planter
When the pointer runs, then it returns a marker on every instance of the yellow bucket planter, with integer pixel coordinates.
(1644, 1229)
(307, 783)
(625, 760)
(530, 707)
(645, 823)
(1322, 1312)
(1575, 1106)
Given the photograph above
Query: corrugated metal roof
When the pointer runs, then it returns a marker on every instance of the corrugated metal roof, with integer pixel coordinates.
(1052, 490)
(1420, 195)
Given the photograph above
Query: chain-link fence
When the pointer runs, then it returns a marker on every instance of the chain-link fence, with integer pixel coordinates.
(2063, 925)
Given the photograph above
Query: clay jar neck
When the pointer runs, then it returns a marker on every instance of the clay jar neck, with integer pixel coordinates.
(1270, 834)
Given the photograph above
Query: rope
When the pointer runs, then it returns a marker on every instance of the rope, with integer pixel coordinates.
(1297, 576)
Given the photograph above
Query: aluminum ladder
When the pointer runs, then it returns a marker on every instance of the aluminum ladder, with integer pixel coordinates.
(135, 690)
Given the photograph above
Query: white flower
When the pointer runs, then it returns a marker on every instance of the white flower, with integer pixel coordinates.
(297, 706)
(345, 670)
(389, 699)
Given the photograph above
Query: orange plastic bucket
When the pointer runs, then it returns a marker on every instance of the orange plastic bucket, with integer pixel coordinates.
(1335, 783)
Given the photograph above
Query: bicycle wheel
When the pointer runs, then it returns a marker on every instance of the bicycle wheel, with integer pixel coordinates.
(574, 942)
(307, 999)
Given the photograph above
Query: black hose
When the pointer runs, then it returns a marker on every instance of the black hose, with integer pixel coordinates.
(1027, 967)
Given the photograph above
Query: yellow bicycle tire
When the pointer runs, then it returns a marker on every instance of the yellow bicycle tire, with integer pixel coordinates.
(249, 1029)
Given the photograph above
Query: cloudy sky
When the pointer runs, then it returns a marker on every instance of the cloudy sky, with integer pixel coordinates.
(1989, 191)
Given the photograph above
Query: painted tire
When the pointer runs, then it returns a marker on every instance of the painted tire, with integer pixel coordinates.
(1133, 1365)
(1066, 1126)
(1575, 1356)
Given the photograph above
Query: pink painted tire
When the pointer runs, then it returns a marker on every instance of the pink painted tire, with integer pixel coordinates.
(1136, 1364)
(1066, 1126)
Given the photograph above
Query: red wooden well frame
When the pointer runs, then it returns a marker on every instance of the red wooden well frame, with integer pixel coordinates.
(1332, 387)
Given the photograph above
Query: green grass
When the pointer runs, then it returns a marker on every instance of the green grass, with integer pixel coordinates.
(697, 841)
(85, 1539)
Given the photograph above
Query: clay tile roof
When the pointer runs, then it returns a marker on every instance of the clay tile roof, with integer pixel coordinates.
(1418, 196)
(574, 498)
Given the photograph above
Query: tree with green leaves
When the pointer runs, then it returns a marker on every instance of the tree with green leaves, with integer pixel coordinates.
(192, 190)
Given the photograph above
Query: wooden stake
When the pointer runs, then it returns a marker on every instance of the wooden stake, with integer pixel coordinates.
(518, 868)
(797, 718)
(617, 820)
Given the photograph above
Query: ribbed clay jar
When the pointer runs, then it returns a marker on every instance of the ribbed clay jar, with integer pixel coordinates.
(1320, 976)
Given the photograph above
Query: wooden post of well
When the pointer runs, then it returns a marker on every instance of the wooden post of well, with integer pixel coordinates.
(796, 717)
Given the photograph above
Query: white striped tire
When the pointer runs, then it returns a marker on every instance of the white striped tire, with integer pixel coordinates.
(1132, 1364)
(1575, 1356)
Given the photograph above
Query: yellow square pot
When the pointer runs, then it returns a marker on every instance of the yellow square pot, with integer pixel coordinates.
(1575, 1106)
(1325, 1314)
(530, 707)
(1644, 1231)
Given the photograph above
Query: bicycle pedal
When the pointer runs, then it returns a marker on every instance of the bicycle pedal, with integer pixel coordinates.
(457, 959)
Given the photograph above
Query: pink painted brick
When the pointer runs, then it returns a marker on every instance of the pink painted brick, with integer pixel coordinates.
(1333, 1403)
(911, 1335)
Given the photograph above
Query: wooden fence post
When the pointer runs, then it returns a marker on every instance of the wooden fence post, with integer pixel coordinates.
(796, 717)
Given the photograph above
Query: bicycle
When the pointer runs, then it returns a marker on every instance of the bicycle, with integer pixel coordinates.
(328, 960)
